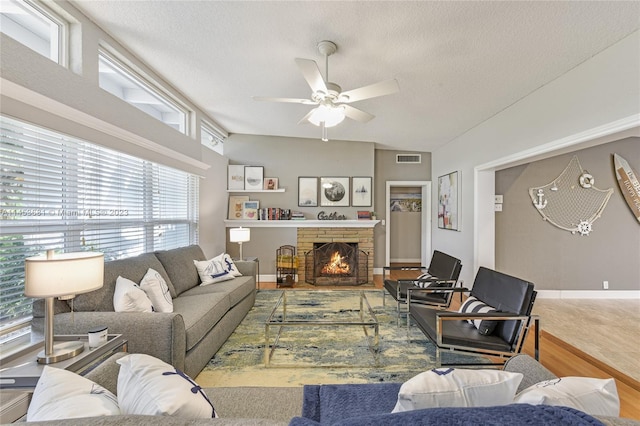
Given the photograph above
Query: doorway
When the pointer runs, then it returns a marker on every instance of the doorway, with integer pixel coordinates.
(395, 233)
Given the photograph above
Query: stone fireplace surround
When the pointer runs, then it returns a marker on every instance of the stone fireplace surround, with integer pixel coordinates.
(307, 236)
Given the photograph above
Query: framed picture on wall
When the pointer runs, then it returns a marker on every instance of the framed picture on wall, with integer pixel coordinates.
(235, 206)
(307, 191)
(250, 210)
(253, 178)
(361, 191)
(235, 178)
(334, 191)
(270, 184)
(449, 201)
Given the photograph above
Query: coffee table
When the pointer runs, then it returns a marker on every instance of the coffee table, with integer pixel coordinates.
(365, 318)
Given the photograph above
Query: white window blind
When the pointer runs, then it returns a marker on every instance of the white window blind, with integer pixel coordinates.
(69, 195)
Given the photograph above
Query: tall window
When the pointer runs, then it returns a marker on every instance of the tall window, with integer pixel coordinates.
(69, 195)
(34, 26)
(117, 79)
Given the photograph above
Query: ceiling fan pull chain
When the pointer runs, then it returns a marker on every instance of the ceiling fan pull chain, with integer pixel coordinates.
(325, 138)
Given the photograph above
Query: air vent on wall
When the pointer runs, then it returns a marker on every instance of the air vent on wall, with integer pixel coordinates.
(409, 158)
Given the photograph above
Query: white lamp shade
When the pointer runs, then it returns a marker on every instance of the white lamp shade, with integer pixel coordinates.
(239, 235)
(63, 274)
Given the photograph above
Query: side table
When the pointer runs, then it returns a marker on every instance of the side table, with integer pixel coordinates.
(20, 371)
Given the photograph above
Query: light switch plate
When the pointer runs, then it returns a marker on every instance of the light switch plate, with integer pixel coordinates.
(497, 199)
(498, 207)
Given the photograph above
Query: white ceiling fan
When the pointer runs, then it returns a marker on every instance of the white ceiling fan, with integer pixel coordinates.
(332, 104)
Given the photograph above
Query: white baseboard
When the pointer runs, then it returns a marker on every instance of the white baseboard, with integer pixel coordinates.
(588, 294)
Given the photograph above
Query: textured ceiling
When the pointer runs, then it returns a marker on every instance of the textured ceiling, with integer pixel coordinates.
(457, 63)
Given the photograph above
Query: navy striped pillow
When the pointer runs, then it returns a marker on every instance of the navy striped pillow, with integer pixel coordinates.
(474, 305)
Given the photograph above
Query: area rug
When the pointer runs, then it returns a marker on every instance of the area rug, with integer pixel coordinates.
(401, 354)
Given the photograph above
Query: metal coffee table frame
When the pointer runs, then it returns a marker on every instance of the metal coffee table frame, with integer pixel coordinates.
(371, 321)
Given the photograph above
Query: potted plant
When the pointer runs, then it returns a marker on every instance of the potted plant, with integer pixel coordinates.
(373, 215)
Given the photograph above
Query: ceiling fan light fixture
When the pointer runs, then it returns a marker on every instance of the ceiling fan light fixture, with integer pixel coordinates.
(331, 115)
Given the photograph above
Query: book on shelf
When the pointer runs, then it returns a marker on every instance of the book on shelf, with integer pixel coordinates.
(364, 215)
(274, 213)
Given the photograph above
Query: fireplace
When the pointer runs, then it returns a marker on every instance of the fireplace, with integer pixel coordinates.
(336, 263)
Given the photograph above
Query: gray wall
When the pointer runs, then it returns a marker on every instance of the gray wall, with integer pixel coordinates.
(554, 259)
(286, 159)
(388, 170)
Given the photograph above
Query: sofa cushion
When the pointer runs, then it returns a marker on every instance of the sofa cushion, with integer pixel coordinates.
(236, 289)
(179, 266)
(200, 314)
(132, 268)
(61, 394)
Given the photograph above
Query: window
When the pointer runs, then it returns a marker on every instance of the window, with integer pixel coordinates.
(33, 26)
(212, 138)
(69, 195)
(119, 80)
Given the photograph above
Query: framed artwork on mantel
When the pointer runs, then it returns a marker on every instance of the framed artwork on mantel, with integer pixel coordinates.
(449, 201)
(334, 191)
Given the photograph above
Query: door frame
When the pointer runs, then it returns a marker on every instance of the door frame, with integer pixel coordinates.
(425, 219)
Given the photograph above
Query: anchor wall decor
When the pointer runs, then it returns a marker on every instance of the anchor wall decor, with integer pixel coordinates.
(571, 201)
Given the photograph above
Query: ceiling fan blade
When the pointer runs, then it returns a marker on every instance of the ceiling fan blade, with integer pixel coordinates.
(305, 119)
(356, 114)
(312, 74)
(372, 91)
(289, 100)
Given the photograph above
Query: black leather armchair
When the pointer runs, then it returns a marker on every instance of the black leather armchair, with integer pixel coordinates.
(513, 300)
(442, 273)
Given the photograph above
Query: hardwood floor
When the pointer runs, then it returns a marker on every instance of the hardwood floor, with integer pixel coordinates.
(569, 331)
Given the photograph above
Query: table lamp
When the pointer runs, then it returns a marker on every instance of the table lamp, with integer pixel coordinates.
(63, 276)
(240, 235)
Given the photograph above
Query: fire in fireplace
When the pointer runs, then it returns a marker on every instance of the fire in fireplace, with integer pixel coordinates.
(336, 263)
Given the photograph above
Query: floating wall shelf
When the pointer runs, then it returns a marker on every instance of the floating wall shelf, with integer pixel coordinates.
(256, 190)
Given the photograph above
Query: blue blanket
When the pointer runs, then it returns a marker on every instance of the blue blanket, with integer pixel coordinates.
(371, 404)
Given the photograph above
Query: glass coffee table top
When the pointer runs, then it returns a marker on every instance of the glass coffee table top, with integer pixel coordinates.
(322, 326)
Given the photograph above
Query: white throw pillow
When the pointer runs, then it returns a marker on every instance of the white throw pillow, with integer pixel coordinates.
(149, 386)
(61, 394)
(597, 397)
(157, 290)
(228, 264)
(212, 271)
(128, 297)
(449, 387)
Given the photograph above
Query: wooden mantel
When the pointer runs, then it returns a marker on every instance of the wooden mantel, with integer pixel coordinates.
(301, 223)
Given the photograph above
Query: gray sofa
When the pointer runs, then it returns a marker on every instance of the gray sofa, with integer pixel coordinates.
(203, 318)
(280, 406)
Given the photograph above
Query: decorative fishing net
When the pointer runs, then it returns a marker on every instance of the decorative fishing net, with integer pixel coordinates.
(571, 202)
